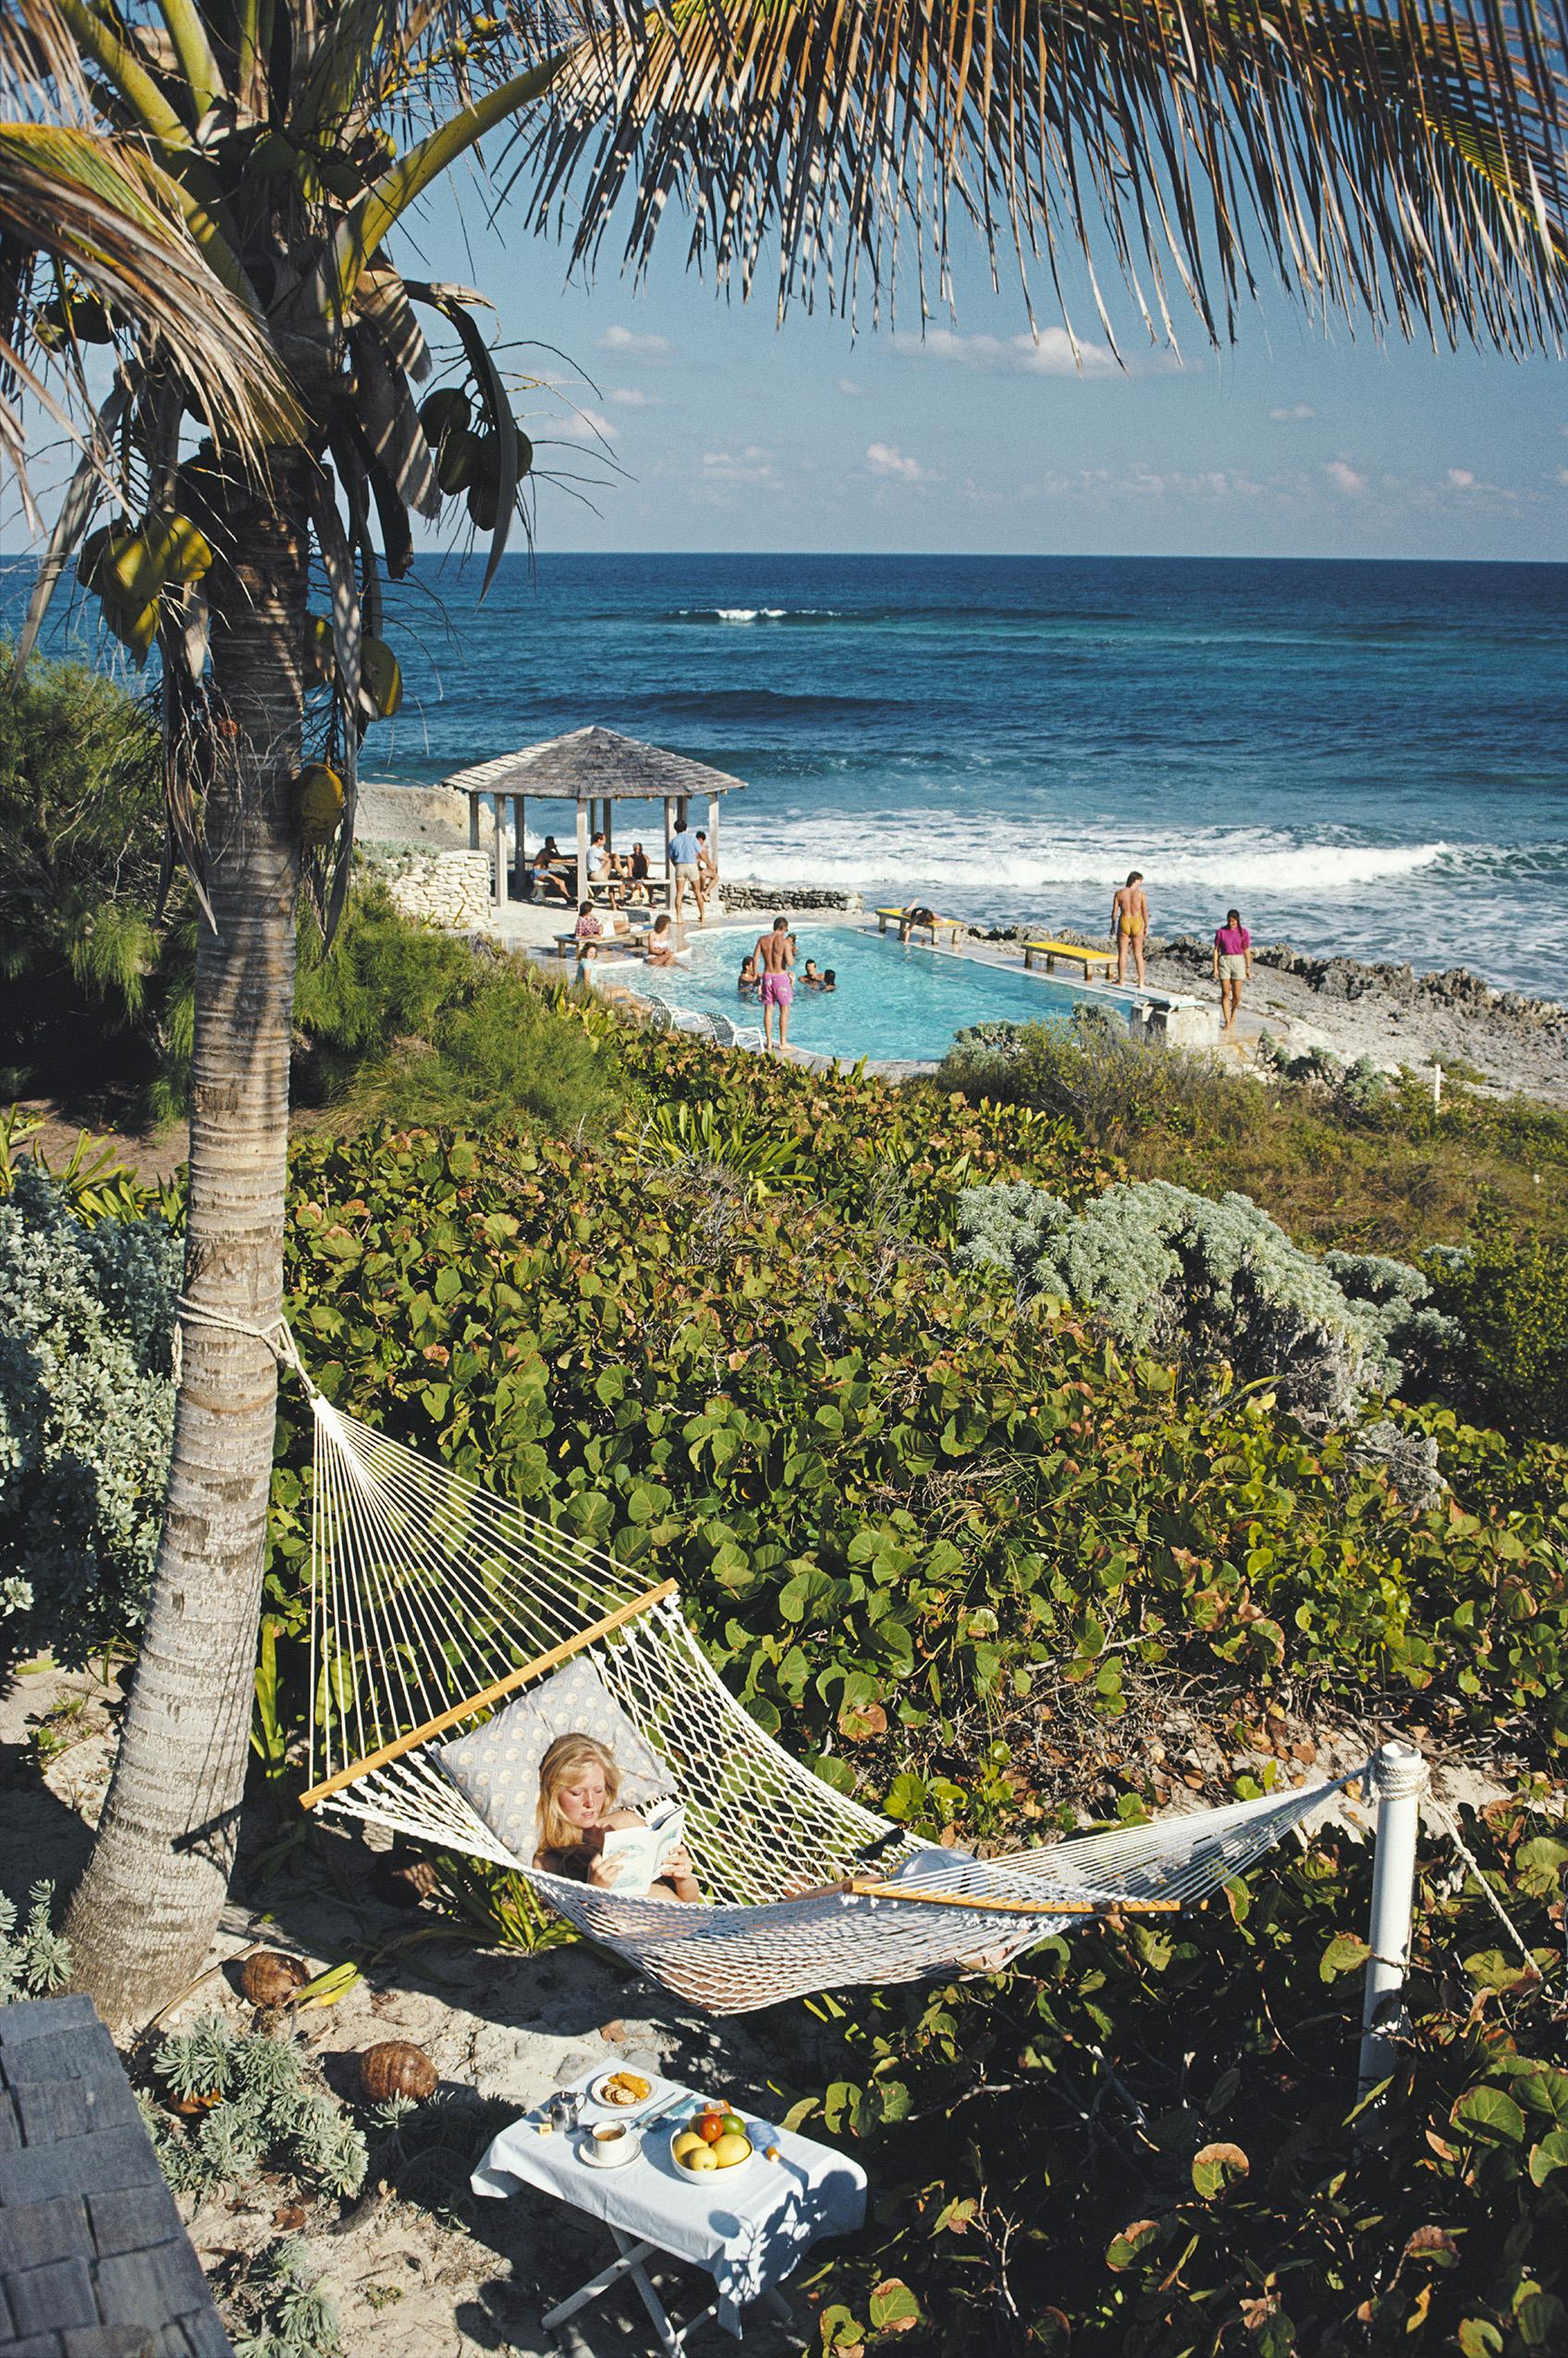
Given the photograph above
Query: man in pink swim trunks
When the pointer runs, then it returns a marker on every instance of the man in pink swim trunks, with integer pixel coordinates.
(774, 955)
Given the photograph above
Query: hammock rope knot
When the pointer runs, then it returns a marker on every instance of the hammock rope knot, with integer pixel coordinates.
(277, 1336)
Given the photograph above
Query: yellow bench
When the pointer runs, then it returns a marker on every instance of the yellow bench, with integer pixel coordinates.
(907, 924)
(1074, 950)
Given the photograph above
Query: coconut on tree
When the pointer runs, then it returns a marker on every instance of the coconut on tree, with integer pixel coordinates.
(268, 410)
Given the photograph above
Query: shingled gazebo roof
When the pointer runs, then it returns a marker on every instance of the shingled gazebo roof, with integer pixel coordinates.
(592, 765)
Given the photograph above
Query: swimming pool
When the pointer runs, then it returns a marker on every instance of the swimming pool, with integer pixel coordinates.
(892, 1002)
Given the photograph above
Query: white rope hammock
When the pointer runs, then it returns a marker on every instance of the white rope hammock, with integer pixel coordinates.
(434, 1601)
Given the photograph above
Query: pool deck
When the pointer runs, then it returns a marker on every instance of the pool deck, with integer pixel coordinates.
(1180, 1019)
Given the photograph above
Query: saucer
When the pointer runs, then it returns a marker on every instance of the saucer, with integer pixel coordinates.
(597, 2157)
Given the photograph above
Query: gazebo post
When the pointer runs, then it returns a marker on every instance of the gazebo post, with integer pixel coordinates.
(499, 803)
(520, 837)
(473, 820)
(713, 828)
(582, 849)
(668, 871)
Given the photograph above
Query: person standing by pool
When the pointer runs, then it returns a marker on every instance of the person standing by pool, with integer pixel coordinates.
(686, 868)
(775, 954)
(1130, 922)
(1232, 966)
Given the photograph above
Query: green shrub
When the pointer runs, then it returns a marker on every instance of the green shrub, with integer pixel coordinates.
(81, 829)
(86, 1415)
(885, 1492)
(1215, 1285)
(269, 2108)
(1510, 1293)
(34, 1959)
(1354, 1158)
(1138, 2143)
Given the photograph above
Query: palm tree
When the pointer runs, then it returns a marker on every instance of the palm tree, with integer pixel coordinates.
(1404, 166)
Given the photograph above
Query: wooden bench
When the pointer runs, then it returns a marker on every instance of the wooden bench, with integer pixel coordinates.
(1073, 950)
(569, 945)
(907, 924)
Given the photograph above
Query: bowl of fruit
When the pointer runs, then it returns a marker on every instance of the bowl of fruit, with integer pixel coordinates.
(714, 2142)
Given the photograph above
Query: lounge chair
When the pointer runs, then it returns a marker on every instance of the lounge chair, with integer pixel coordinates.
(665, 1018)
(933, 925)
(732, 1035)
(1075, 952)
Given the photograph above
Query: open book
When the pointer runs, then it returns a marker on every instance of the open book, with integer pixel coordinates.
(646, 1848)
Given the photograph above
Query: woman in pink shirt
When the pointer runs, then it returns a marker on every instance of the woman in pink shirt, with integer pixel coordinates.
(1233, 964)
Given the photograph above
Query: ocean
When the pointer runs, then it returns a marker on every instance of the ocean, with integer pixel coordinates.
(1366, 758)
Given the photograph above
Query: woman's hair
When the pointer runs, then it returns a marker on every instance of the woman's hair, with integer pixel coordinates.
(661, 924)
(1137, 877)
(583, 907)
(566, 1755)
(1233, 917)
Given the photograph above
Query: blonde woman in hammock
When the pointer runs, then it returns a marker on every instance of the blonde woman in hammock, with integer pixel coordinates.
(579, 1779)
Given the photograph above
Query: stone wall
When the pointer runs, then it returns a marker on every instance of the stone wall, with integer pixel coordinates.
(789, 896)
(446, 888)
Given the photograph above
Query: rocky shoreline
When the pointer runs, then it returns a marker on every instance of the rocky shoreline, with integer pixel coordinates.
(1391, 1013)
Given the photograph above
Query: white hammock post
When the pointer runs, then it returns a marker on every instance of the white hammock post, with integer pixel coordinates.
(1399, 1776)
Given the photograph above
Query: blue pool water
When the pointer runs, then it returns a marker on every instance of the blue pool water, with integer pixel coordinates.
(890, 1002)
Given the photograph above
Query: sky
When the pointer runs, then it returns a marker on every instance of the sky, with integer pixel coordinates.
(674, 419)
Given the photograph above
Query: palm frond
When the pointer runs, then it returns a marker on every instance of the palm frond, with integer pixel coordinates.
(1406, 164)
(108, 214)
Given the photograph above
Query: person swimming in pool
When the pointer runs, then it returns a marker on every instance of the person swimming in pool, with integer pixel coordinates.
(775, 954)
(1130, 924)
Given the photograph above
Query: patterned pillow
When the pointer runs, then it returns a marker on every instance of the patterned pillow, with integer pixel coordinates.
(497, 1768)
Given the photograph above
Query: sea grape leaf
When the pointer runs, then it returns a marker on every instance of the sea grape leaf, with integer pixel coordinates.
(1217, 2168)
(893, 2306)
(1489, 2117)
(1344, 1954)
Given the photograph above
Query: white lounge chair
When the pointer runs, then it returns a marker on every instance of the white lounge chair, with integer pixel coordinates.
(732, 1035)
(665, 1018)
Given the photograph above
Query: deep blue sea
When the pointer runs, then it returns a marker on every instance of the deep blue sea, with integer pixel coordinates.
(1369, 758)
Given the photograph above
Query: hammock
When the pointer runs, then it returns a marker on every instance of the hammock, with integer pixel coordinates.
(435, 1602)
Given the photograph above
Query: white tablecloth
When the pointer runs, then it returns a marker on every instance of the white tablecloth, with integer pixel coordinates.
(750, 2227)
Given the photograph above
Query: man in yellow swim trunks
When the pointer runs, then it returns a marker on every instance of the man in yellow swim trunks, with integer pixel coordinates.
(1129, 923)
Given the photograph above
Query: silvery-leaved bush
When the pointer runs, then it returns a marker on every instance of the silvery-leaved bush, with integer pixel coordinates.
(86, 1414)
(1175, 1275)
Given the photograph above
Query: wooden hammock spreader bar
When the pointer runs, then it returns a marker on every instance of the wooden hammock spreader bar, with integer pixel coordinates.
(870, 1890)
(491, 1694)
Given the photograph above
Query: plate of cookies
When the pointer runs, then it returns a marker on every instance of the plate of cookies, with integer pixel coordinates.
(624, 2091)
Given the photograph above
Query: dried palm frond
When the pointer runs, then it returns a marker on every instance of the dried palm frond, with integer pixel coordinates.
(1404, 163)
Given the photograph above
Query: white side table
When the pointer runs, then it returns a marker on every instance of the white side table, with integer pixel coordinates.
(749, 2229)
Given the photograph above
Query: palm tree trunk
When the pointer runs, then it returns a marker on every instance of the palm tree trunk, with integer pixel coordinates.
(147, 1907)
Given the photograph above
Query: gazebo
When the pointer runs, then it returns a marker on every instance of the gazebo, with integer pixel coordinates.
(594, 768)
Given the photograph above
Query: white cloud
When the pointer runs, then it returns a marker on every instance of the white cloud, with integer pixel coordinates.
(730, 469)
(646, 347)
(1562, 477)
(1295, 415)
(885, 459)
(1141, 482)
(1051, 353)
(629, 397)
(1343, 477)
(585, 425)
(850, 389)
(1460, 479)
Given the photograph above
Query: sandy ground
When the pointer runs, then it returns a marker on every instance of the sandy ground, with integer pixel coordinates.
(433, 2272)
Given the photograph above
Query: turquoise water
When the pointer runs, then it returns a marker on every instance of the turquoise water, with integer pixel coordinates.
(890, 1002)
